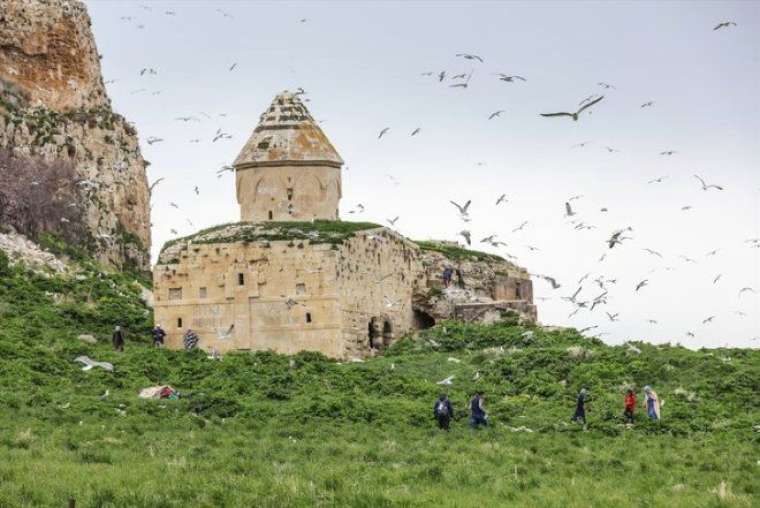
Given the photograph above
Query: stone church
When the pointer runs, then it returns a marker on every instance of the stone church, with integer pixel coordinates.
(291, 276)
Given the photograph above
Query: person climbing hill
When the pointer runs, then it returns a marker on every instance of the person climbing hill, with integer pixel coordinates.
(478, 415)
(652, 403)
(630, 406)
(443, 411)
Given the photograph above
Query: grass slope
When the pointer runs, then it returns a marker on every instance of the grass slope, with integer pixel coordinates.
(269, 430)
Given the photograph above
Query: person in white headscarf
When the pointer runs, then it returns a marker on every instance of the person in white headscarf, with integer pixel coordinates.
(652, 403)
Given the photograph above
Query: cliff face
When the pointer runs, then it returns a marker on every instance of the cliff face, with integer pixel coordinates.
(53, 105)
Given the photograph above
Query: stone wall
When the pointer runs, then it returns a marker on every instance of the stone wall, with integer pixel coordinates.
(278, 295)
(288, 193)
(53, 105)
(378, 272)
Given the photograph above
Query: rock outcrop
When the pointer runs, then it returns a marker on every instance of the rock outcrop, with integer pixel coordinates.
(483, 285)
(53, 105)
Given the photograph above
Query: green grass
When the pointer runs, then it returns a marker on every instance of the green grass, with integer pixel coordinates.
(457, 253)
(318, 231)
(269, 430)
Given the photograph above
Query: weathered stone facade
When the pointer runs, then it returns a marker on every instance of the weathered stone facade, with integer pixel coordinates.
(344, 289)
(53, 105)
(344, 299)
(288, 170)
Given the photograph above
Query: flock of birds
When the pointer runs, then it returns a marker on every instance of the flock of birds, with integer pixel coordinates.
(617, 239)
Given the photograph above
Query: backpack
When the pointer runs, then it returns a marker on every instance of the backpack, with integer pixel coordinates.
(441, 408)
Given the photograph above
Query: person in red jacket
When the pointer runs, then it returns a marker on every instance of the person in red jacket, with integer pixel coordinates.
(630, 405)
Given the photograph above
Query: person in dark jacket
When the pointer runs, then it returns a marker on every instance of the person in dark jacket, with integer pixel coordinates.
(580, 407)
(118, 339)
(478, 414)
(443, 411)
(158, 335)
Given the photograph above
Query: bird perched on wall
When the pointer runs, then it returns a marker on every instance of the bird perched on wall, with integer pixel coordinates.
(574, 116)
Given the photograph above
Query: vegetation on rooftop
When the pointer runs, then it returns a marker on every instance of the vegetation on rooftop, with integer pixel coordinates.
(456, 252)
(318, 231)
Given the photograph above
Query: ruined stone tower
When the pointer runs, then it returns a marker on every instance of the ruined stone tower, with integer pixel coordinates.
(288, 170)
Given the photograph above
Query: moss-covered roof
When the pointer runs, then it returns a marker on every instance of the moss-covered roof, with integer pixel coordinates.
(456, 253)
(318, 231)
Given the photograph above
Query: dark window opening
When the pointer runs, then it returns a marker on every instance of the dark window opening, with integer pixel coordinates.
(518, 292)
(179, 322)
(290, 194)
(241, 279)
(270, 215)
(308, 317)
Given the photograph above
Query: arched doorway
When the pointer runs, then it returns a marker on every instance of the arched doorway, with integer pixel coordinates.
(374, 334)
(387, 332)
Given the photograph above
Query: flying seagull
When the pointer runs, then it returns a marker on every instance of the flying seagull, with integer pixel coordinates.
(654, 252)
(495, 114)
(468, 56)
(707, 187)
(416, 131)
(725, 24)
(647, 104)
(520, 227)
(510, 79)
(463, 210)
(574, 116)
(382, 132)
(392, 222)
(658, 179)
(232, 67)
(668, 152)
(153, 185)
(641, 284)
(502, 199)
(466, 235)
(606, 86)
(568, 210)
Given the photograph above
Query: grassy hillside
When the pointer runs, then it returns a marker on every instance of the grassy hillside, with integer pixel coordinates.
(270, 430)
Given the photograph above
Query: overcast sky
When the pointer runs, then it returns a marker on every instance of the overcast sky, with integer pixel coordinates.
(362, 65)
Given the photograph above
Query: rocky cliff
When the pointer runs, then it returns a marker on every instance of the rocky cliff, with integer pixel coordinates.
(53, 105)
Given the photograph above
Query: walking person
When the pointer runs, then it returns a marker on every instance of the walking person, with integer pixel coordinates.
(630, 406)
(580, 407)
(443, 411)
(158, 336)
(652, 403)
(478, 415)
(447, 273)
(117, 339)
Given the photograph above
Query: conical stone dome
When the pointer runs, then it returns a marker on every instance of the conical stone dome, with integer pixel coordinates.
(287, 133)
